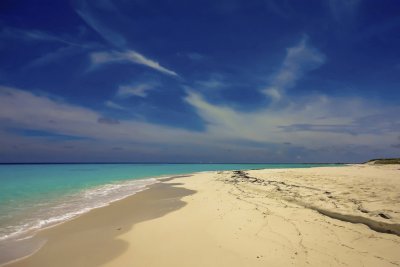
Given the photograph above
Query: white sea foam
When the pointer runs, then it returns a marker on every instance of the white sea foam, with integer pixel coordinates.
(71, 206)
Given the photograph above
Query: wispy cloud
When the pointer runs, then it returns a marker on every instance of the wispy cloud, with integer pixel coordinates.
(195, 56)
(130, 56)
(53, 56)
(38, 112)
(106, 120)
(229, 135)
(140, 90)
(281, 8)
(343, 8)
(36, 35)
(88, 16)
(312, 121)
(299, 60)
(215, 81)
(68, 45)
(114, 105)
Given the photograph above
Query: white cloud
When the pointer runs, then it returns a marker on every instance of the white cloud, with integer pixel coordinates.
(140, 90)
(312, 123)
(299, 60)
(23, 109)
(114, 105)
(88, 13)
(326, 119)
(274, 93)
(131, 56)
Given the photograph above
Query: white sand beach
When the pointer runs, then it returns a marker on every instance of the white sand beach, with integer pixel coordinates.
(325, 216)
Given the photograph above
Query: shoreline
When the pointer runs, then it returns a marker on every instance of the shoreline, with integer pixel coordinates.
(99, 219)
(220, 218)
(26, 244)
(25, 238)
(27, 229)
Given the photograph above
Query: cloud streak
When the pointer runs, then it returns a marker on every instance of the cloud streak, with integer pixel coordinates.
(141, 90)
(68, 45)
(130, 56)
(299, 60)
(53, 56)
(36, 35)
(111, 104)
(117, 40)
(85, 12)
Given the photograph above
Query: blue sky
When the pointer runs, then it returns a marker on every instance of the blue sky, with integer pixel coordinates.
(199, 81)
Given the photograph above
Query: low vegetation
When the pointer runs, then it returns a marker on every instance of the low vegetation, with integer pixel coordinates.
(384, 161)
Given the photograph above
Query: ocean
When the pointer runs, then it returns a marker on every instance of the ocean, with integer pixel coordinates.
(35, 196)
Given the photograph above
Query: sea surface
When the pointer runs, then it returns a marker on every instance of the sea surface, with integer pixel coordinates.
(35, 196)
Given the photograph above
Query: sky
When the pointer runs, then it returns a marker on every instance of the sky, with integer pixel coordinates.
(263, 81)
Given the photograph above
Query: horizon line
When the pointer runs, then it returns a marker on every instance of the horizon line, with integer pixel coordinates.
(155, 162)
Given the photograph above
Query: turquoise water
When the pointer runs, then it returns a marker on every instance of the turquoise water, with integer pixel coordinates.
(36, 196)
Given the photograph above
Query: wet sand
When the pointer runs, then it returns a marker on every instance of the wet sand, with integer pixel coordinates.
(92, 239)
